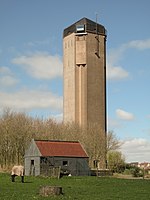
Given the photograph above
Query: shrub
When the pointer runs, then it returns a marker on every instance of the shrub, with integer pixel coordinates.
(136, 172)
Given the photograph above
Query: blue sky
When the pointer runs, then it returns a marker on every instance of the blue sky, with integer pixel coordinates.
(31, 70)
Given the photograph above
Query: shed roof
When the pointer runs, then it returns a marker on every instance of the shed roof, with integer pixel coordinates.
(61, 148)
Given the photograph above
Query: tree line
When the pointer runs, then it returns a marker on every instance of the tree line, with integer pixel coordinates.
(17, 129)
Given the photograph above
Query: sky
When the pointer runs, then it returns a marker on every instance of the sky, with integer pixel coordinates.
(31, 68)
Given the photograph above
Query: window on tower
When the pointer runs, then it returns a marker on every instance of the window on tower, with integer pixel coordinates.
(80, 28)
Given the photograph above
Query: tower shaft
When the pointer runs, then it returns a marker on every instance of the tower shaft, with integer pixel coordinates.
(84, 47)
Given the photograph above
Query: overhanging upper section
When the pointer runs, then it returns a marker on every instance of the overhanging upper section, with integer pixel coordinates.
(85, 26)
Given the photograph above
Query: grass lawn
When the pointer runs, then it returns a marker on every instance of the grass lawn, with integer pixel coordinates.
(75, 188)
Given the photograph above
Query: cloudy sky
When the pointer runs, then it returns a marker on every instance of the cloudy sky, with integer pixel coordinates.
(31, 70)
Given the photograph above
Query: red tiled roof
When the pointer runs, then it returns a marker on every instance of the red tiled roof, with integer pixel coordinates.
(61, 148)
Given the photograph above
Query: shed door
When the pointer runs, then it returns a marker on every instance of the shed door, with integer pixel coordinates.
(32, 168)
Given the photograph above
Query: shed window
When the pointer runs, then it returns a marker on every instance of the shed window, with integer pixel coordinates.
(65, 163)
(32, 162)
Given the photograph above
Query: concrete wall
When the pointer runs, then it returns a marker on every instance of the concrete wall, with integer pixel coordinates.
(96, 102)
(85, 79)
(69, 78)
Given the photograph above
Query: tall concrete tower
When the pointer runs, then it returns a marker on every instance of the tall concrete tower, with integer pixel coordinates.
(84, 47)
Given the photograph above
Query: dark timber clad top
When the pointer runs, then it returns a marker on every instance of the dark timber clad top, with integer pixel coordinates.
(61, 148)
(90, 26)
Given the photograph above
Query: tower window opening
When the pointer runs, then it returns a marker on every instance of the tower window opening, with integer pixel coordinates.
(80, 28)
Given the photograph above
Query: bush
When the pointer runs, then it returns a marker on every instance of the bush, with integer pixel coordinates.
(127, 172)
(136, 172)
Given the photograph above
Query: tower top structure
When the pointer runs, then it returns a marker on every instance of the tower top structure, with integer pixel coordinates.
(85, 25)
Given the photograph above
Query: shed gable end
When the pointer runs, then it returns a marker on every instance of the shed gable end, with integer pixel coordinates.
(32, 150)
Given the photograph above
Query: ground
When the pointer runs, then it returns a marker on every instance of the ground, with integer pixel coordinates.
(76, 188)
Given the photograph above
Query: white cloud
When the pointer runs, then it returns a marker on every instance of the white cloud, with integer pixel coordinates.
(136, 149)
(58, 117)
(28, 100)
(41, 65)
(7, 78)
(5, 70)
(121, 114)
(7, 81)
(139, 44)
(116, 73)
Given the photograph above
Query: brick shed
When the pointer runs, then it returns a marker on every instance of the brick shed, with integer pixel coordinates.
(43, 155)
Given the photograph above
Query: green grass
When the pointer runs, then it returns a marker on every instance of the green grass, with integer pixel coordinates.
(75, 188)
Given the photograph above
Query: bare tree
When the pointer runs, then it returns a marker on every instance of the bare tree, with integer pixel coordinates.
(112, 142)
(17, 130)
(94, 141)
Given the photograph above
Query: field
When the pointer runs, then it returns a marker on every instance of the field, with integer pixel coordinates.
(75, 188)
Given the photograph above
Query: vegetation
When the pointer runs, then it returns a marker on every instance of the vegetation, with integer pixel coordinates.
(85, 188)
(17, 130)
(112, 142)
(116, 161)
(135, 171)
